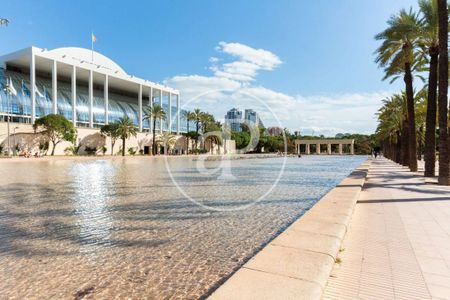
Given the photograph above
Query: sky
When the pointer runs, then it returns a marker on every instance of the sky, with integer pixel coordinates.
(304, 65)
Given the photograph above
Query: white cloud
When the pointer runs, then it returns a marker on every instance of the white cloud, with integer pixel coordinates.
(249, 62)
(229, 86)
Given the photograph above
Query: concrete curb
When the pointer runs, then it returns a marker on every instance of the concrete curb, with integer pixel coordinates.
(298, 263)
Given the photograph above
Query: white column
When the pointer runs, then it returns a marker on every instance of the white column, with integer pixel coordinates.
(308, 151)
(318, 148)
(91, 99)
(33, 87)
(340, 149)
(329, 148)
(55, 87)
(74, 95)
(106, 96)
(151, 106)
(170, 112)
(352, 148)
(178, 114)
(140, 107)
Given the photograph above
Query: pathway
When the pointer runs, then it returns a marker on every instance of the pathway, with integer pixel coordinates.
(398, 243)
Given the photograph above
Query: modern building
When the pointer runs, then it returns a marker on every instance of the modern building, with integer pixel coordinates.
(85, 86)
(234, 118)
(253, 118)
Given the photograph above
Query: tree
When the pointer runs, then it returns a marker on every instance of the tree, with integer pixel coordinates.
(156, 112)
(168, 140)
(429, 40)
(189, 116)
(197, 115)
(56, 128)
(125, 130)
(111, 130)
(399, 56)
(391, 119)
(444, 178)
(206, 120)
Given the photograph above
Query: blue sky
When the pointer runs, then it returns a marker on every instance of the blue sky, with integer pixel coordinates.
(310, 61)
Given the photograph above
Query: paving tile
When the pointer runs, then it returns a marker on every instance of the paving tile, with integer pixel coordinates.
(397, 249)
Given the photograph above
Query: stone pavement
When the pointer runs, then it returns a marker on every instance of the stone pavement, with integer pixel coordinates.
(398, 243)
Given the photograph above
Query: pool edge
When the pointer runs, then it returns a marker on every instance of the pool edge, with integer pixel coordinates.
(297, 264)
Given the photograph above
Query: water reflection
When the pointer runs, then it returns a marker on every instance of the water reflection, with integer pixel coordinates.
(92, 183)
(120, 228)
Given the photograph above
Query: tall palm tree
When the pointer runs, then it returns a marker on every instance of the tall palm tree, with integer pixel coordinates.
(206, 120)
(156, 112)
(125, 130)
(429, 40)
(444, 177)
(189, 116)
(197, 115)
(390, 130)
(399, 56)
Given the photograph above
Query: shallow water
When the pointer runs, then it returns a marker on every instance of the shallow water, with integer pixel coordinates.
(121, 228)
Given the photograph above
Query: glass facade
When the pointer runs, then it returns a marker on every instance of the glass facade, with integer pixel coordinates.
(19, 105)
(165, 102)
(173, 109)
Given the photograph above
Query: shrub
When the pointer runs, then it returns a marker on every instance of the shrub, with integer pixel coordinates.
(132, 151)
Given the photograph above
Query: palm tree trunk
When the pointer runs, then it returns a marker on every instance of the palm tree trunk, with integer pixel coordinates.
(187, 138)
(123, 146)
(444, 178)
(412, 143)
(154, 137)
(197, 130)
(420, 144)
(430, 132)
(398, 154)
(404, 159)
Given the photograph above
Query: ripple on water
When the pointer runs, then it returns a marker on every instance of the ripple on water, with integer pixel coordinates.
(120, 228)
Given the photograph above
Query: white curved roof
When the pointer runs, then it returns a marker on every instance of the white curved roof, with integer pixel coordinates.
(85, 55)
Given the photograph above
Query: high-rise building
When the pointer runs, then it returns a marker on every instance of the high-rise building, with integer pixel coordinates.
(234, 119)
(253, 118)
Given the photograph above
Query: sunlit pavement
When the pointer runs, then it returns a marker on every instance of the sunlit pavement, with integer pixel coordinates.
(398, 243)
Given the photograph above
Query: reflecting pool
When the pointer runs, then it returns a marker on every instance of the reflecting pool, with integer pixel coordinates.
(121, 228)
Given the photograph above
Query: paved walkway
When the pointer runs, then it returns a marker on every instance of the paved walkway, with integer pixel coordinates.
(398, 243)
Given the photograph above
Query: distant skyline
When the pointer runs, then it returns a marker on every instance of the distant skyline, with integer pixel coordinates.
(311, 62)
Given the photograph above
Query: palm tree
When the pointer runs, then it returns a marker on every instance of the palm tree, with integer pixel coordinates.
(197, 115)
(444, 177)
(390, 130)
(189, 116)
(206, 120)
(125, 129)
(168, 140)
(156, 112)
(399, 55)
(430, 44)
